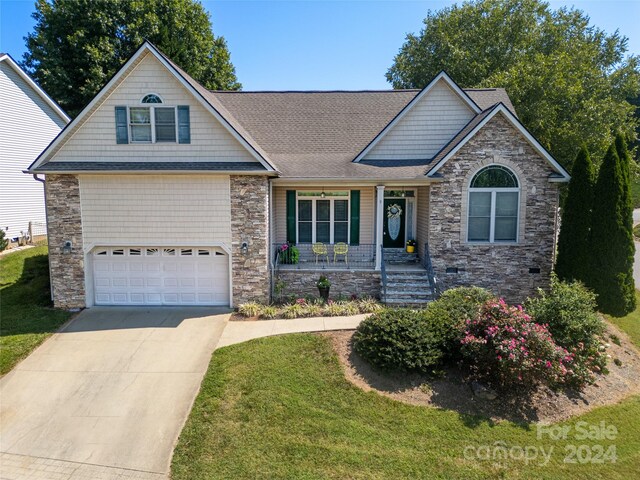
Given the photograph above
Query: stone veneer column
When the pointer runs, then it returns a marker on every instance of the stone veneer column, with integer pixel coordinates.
(64, 223)
(250, 223)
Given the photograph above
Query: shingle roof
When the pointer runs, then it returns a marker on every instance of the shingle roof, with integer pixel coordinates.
(318, 134)
(148, 166)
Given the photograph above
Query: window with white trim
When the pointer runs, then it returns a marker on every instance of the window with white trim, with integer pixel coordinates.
(152, 124)
(323, 217)
(494, 201)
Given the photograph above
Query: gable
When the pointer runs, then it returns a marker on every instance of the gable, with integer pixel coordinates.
(95, 139)
(510, 132)
(426, 128)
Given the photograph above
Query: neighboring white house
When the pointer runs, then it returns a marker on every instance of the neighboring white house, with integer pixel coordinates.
(29, 120)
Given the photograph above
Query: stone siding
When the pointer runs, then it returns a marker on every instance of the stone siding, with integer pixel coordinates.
(65, 223)
(502, 268)
(250, 223)
(343, 282)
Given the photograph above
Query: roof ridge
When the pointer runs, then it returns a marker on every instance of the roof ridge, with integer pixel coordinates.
(401, 90)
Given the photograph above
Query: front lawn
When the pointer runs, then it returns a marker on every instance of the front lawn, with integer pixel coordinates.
(26, 316)
(281, 407)
(630, 324)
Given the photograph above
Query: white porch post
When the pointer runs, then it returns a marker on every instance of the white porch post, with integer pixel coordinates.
(379, 224)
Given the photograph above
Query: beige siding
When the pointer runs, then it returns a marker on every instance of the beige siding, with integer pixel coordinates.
(27, 124)
(423, 219)
(95, 140)
(426, 128)
(367, 216)
(155, 209)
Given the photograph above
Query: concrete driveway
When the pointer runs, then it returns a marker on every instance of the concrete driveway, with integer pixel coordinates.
(113, 389)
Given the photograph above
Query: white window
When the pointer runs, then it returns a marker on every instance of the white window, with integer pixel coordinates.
(494, 200)
(323, 217)
(155, 124)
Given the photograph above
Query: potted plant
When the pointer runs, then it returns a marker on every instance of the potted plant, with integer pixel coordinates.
(323, 285)
(411, 246)
(289, 254)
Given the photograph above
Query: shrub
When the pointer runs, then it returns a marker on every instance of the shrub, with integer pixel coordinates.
(4, 242)
(313, 310)
(293, 310)
(447, 315)
(369, 305)
(342, 308)
(505, 347)
(269, 312)
(398, 339)
(569, 311)
(250, 309)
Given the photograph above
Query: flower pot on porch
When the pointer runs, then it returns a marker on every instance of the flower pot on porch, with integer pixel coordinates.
(324, 293)
(411, 248)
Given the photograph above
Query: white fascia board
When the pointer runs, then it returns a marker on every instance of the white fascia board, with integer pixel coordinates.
(355, 182)
(56, 108)
(516, 123)
(146, 47)
(150, 172)
(441, 76)
(265, 163)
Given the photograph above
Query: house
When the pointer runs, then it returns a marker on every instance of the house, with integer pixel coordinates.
(161, 192)
(29, 120)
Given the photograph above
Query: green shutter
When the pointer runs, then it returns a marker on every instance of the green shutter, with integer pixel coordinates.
(122, 129)
(184, 124)
(355, 217)
(291, 216)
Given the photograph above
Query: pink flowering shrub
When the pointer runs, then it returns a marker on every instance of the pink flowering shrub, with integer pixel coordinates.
(503, 345)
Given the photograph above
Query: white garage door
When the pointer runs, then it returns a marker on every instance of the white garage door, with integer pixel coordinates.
(160, 276)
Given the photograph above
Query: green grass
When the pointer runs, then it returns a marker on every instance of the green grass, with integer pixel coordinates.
(630, 324)
(26, 316)
(281, 407)
(635, 191)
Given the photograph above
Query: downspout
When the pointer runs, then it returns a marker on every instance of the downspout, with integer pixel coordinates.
(46, 214)
(270, 241)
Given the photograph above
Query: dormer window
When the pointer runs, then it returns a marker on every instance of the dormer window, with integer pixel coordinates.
(153, 122)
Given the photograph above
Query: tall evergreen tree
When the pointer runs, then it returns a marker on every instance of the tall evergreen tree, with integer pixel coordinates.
(611, 241)
(625, 160)
(573, 243)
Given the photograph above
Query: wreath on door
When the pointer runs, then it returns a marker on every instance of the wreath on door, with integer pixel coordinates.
(394, 214)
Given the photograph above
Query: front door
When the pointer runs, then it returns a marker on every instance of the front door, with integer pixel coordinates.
(394, 222)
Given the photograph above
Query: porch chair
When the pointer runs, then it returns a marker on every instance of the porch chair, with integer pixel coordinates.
(341, 248)
(320, 250)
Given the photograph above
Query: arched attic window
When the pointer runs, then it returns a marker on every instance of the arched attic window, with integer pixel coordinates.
(151, 98)
(494, 205)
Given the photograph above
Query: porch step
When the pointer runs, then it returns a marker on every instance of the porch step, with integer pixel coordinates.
(399, 255)
(408, 288)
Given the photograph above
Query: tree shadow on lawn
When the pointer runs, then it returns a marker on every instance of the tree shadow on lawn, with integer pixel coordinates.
(453, 392)
(26, 302)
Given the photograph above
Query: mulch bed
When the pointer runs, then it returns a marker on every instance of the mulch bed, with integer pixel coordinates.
(453, 391)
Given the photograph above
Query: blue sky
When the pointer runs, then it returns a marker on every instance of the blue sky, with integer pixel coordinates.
(304, 45)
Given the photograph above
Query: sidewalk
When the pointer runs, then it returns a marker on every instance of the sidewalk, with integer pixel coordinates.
(238, 332)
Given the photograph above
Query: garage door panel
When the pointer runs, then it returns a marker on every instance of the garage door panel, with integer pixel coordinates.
(160, 276)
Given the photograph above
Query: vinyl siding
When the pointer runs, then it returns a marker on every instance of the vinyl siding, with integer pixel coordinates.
(27, 125)
(422, 232)
(95, 139)
(426, 128)
(155, 209)
(367, 215)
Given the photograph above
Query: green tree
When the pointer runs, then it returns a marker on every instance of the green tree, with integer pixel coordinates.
(611, 242)
(568, 80)
(573, 243)
(625, 167)
(4, 242)
(77, 45)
